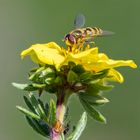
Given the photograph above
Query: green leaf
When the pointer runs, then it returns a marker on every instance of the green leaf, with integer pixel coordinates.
(35, 126)
(20, 86)
(28, 113)
(46, 109)
(72, 76)
(26, 87)
(28, 103)
(43, 107)
(93, 99)
(52, 112)
(79, 128)
(45, 127)
(39, 110)
(93, 112)
(39, 126)
(34, 69)
(104, 87)
(62, 137)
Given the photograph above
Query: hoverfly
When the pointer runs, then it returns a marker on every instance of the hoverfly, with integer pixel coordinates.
(81, 35)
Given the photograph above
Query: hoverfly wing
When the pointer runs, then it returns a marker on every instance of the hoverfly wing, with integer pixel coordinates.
(79, 21)
(106, 33)
(102, 34)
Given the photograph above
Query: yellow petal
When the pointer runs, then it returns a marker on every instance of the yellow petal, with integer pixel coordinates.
(44, 53)
(114, 75)
(101, 62)
(82, 57)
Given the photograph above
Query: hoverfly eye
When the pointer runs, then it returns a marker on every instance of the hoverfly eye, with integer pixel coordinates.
(67, 36)
(71, 39)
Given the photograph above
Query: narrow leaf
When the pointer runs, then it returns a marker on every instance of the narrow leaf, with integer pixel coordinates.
(35, 126)
(79, 128)
(28, 113)
(47, 109)
(93, 99)
(43, 107)
(93, 112)
(27, 87)
(20, 86)
(44, 127)
(52, 113)
(39, 110)
(28, 103)
(62, 137)
(104, 87)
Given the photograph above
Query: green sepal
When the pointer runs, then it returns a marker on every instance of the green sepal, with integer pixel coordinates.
(86, 76)
(95, 81)
(37, 86)
(92, 112)
(71, 64)
(28, 113)
(79, 128)
(39, 110)
(49, 80)
(52, 113)
(39, 126)
(49, 72)
(78, 69)
(93, 99)
(35, 75)
(72, 76)
(58, 80)
(100, 75)
(92, 89)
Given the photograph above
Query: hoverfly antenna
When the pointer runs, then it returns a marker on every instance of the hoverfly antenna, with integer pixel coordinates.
(79, 21)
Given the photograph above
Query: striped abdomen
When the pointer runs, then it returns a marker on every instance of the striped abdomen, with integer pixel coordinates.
(86, 32)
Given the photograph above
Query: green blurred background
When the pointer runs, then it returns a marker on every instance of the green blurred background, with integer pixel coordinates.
(26, 22)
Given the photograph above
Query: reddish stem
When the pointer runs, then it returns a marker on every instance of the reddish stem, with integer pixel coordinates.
(60, 112)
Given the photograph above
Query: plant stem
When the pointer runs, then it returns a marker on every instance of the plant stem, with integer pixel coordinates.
(62, 100)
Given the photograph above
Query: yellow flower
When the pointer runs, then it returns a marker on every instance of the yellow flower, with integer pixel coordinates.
(90, 59)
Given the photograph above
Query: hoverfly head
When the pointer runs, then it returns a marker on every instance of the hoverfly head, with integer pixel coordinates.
(70, 39)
